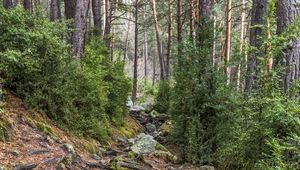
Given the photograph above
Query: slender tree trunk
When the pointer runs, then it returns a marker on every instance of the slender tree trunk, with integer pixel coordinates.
(126, 42)
(242, 41)
(80, 27)
(153, 69)
(55, 10)
(287, 12)
(27, 4)
(158, 41)
(179, 25)
(96, 6)
(170, 34)
(259, 9)
(145, 51)
(107, 29)
(228, 41)
(7, 4)
(135, 73)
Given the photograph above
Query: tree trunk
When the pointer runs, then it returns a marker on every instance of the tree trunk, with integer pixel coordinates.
(135, 73)
(80, 27)
(7, 4)
(96, 6)
(228, 41)
(108, 17)
(55, 10)
(158, 41)
(242, 41)
(70, 9)
(27, 4)
(259, 9)
(179, 25)
(126, 41)
(145, 51)
(287, 12)
(170, 34)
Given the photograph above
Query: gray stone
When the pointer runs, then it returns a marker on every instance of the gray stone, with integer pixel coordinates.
(143, 144)
(151, 128)
(95, 156)
(121, 140)
(68, 148)
(38, 152)
(137, 108)
(25, 166)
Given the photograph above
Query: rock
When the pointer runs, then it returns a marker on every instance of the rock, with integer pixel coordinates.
(68, 148)
(49, 140)
(143, 144)
(129, 102)
(95, 156)
(206, 167)
(121, 140)
(38, 152)
(136, 109)
(25, 166)
(165, 128)
(148, 106)
(151, 129)
(111, 152)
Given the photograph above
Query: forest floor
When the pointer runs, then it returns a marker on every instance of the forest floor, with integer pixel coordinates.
(35, 142)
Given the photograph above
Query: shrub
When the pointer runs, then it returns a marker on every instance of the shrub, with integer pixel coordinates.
(36, 63)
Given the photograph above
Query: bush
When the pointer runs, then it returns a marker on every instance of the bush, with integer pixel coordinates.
(36, 63)
(163, 97)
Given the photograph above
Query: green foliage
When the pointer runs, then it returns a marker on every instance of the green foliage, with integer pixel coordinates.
(45, 128)
(4, 130)
(163, 97)
(36, 63)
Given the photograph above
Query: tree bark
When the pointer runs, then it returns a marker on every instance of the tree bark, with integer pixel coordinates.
(80, 27)
(96, 6)
(179, 25)
(55, 10)
(259, 9)
(158, 41)
(242, 41)
(27, 4)
(170, 34)
(135, 73)
(145, 51)
(7, 4)
(228, 41)
(70, 9)
(287, 12)
(108, 17)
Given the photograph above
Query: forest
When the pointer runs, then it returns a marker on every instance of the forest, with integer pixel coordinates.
(211, 84)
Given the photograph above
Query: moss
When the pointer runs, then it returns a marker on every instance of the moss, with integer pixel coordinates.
(160, 147)
(5, 128)
(45, 129)
(154, 113)
(91, 147)
(131, 155)
(127, 132)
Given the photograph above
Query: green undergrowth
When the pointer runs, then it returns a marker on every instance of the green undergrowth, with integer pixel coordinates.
(83, 96)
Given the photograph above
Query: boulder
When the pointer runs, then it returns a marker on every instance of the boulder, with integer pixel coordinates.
(151, 129)
(143, 144)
